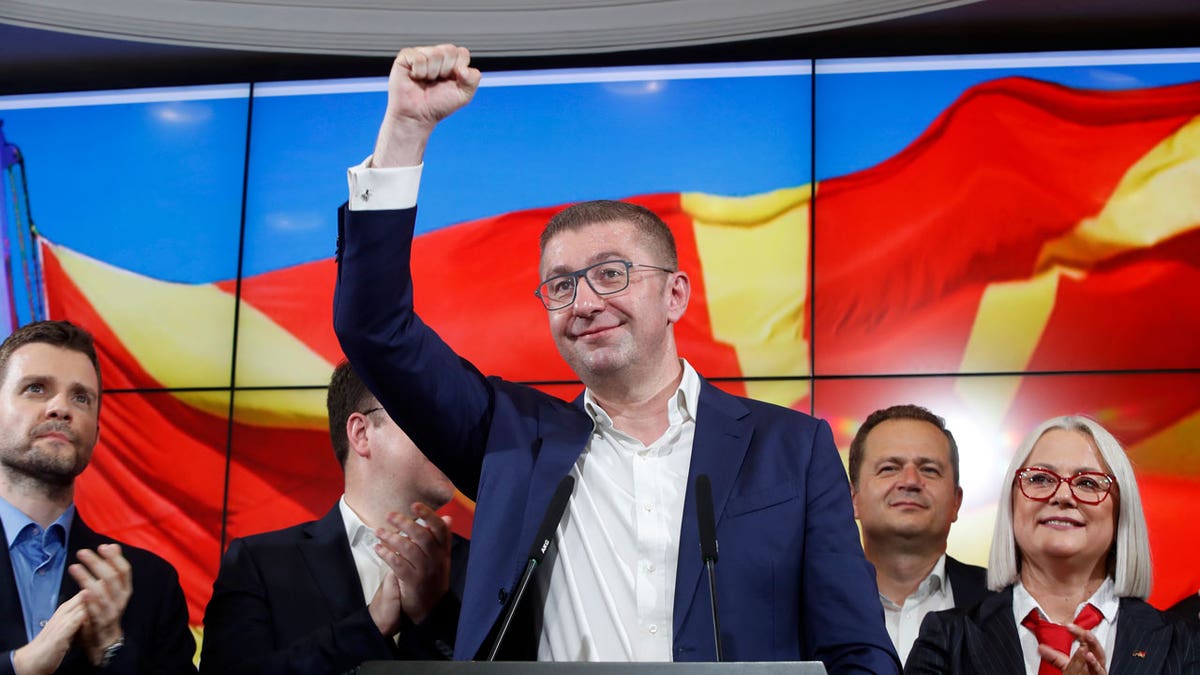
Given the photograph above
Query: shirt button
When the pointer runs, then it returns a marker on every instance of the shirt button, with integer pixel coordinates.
(650, 567)
(648, 507)
(653, 629)
(42, 623)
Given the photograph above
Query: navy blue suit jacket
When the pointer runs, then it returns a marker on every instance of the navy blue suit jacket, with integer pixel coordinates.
(794, 584)
(290, 601)
(155, 622)
(983, 640)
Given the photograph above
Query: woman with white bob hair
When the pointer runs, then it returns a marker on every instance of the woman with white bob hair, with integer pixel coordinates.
(1070, 562)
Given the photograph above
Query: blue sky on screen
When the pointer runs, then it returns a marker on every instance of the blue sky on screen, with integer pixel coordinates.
(870, 109)
(152, 186)
(523, 145)
(155, 185)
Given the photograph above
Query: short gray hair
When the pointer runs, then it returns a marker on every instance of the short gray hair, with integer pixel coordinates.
(1130, 569)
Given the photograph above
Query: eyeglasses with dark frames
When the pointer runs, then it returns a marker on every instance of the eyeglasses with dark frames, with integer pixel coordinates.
(372, 410)
(604, 278)
(1088, 487)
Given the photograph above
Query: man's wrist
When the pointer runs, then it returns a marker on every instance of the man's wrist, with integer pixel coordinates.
(110, 652)
(378, 189)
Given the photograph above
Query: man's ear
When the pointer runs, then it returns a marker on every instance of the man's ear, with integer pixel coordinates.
(680, 289)
(357, 430)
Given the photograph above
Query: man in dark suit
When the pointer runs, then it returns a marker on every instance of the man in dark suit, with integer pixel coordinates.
(362, 583)
(118, 609)
(904, 480)
(625, 580)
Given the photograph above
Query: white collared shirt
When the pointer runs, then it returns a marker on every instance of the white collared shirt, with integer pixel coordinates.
(611, 591)
(1105, 600)
(371, 568)
(904, 620)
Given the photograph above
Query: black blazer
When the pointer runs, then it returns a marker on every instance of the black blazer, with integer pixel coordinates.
(290, 601)
(157, 638)
(968, 582)
(983, 640)
(1187, 608)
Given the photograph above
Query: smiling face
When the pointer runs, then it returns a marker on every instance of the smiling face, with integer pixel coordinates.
(49, 414)
(1064, 530)
(906, 487)
(627, 333)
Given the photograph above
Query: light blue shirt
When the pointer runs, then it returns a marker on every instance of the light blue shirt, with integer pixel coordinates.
(38, 557)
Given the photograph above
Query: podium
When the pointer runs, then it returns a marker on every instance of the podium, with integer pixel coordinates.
(605, 668)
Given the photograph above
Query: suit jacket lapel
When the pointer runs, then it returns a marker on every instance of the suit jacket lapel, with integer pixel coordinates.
(997, 649)
(326, 553)
(560, 442)
(967, 584)
(562, 433)
(12, 618)
(1143, 639)
(723, 432)
(81, 536)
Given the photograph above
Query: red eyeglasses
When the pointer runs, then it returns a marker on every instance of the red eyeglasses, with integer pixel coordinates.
(1088, 487)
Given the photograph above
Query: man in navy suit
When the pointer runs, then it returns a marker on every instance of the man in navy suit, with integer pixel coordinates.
(904, 480)
(624, 581)
(71, 600)
(326, 595)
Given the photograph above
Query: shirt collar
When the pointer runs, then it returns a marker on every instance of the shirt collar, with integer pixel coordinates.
(680, 407)
(15, 520)
(357, 532)
(937, 577)
(1105, 599)
(934, 582)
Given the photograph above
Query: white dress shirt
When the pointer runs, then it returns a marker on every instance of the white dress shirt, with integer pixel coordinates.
(371, 568)
(1104, 599)
(904, 621)
(611, 591)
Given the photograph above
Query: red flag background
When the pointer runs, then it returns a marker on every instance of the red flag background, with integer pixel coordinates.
(1034, 252)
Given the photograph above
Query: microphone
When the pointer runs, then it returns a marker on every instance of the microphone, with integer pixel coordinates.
(708, 550)
(541, 544)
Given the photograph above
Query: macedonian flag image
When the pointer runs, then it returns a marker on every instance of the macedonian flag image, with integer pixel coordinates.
(1035, 251)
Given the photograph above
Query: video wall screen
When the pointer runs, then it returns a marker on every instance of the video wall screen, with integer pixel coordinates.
(1002, 239)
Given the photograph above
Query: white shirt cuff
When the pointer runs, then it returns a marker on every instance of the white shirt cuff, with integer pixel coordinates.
(383, 189)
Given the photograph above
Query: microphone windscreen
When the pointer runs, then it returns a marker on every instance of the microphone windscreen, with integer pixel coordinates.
(704, 518)
(554, 513)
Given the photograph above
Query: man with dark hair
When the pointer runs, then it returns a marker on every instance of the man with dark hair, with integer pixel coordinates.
(624, 581)
(904, 480)
(119, 608)
(326, 595)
